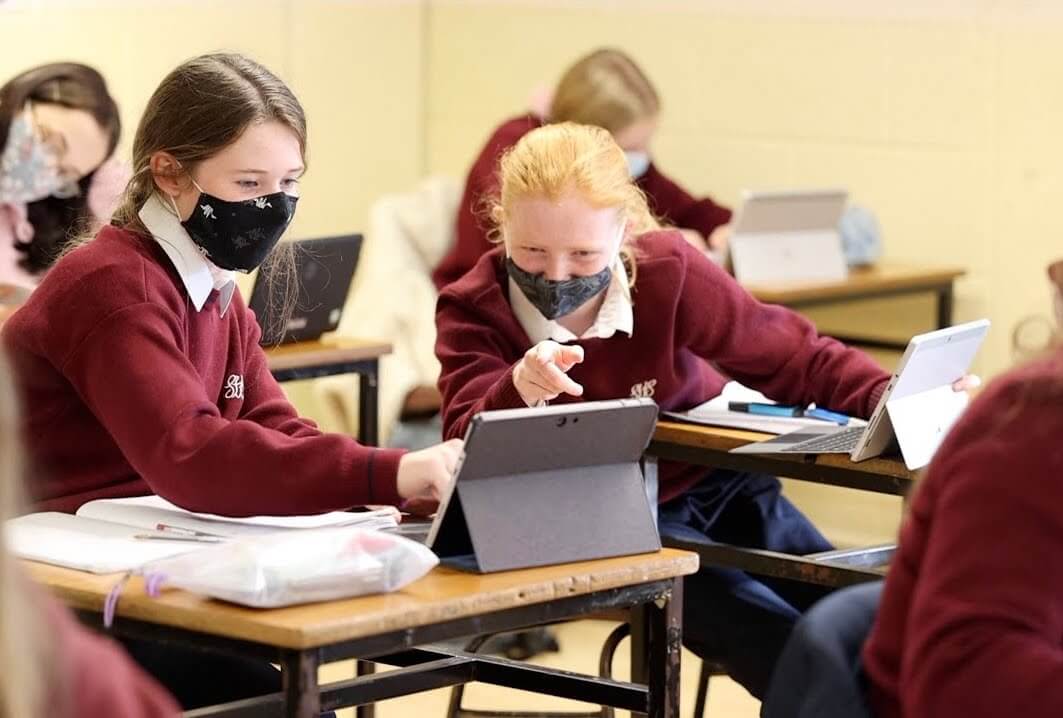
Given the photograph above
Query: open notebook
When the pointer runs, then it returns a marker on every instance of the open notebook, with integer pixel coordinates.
(715, 413)
(101, 538)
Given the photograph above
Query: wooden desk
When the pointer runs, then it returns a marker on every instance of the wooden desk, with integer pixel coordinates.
(329, 357)
(444, 605)
(709, 446)
(881, 280)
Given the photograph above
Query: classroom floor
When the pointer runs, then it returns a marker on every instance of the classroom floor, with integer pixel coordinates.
(847, 517)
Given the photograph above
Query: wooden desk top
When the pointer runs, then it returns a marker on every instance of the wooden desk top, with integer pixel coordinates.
(324, 351)
(718, 439)
(442, 595)
(880, 278)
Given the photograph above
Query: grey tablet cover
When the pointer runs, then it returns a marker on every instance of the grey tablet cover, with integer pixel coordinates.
(550, 485)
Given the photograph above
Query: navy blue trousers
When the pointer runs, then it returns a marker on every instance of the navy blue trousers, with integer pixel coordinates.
(730, 617)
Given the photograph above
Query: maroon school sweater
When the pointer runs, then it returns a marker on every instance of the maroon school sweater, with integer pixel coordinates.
(668, 201)
(971, 620)
(128, 390)
(686, 310)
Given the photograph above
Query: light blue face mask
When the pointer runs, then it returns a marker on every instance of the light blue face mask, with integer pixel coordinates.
(29, 168)
(638, 162)
(861, 236)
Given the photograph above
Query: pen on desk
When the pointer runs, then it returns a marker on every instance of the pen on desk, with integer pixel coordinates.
(831, 416)
(175, 536)
(752, 407)
(186, 532)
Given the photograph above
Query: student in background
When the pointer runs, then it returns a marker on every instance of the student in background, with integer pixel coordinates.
(605, 89)
(53, 666)
(58, 125)
(140, 364)
(588, 299)
(971, 618)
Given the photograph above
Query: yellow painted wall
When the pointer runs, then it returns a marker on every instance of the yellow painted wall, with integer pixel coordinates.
(356, 66)
(945, 117)
(942, 116)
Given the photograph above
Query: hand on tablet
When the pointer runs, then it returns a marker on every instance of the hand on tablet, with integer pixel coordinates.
(968, 383)
(542, 374)
(425, 474)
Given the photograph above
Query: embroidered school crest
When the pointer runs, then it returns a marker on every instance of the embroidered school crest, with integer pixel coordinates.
(234, 387)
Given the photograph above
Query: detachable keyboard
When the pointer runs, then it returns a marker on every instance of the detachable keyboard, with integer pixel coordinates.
(839, 442)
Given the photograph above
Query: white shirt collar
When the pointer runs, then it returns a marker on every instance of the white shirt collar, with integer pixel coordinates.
(615, 314)
(197, 273)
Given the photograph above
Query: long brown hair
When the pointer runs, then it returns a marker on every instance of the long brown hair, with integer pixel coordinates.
(25, 652)
(57, 220)
(201, 107)
(605, 89)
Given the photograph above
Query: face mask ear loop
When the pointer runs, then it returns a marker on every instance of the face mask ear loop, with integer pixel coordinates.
(191, 178)
(505, 246)
(173, 205)
(195, 184)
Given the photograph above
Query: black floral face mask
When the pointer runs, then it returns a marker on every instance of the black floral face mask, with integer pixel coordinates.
(239, 235)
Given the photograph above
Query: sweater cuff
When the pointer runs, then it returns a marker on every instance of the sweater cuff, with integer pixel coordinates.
(383, 477)
(504, 394)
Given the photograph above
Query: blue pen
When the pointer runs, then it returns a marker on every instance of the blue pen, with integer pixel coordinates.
(752, 407)
(831, 416)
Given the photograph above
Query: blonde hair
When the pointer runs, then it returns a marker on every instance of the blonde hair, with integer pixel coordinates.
(556, 159)
(605, 89)
(25, 652)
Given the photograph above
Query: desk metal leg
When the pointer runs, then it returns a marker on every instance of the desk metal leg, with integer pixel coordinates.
(302, 695)
(639, 622)
(664, 651)
(945, 301)
(368, 411)
(656, 650)
(365, 668)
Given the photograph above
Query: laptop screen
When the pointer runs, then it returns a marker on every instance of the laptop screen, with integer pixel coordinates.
(324, 269)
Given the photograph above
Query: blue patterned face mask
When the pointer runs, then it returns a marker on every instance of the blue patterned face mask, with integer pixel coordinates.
(638, 163)
(239, 235)
(558, 297)
(555, 298)
(29, 167)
